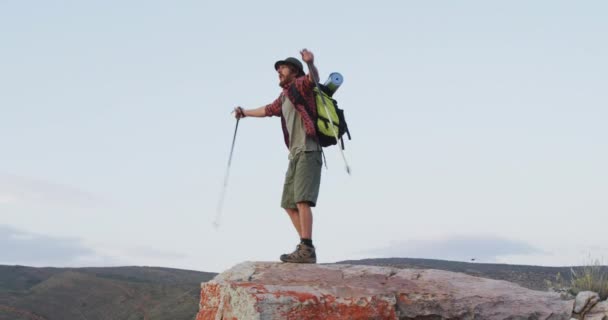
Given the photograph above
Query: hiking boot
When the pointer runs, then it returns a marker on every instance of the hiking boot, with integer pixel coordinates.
(302, 254)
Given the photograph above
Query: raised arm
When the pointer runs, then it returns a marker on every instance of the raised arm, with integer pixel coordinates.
(309, 59)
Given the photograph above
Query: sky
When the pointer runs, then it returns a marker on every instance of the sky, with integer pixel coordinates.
(478, 131)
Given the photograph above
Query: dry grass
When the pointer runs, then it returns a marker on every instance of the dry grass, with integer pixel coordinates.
(591, 277)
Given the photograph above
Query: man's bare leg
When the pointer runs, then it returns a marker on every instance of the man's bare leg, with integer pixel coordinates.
(305, 215)
(302, 220)
(295, 219)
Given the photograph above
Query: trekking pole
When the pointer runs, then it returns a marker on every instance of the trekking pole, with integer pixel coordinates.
(331, 122)
(220, 205)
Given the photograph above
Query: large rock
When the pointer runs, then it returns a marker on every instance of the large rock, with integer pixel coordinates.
(263, 290)
(592, 310)
(598, 312)
(584, 301)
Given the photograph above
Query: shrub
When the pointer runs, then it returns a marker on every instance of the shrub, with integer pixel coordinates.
(591, 277)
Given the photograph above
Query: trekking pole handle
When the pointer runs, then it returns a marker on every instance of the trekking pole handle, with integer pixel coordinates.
(239, 110)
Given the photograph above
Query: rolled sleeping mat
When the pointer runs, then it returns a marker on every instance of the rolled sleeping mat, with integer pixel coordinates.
(333, 82)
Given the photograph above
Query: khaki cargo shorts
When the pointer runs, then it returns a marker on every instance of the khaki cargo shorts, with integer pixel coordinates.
(302, 180)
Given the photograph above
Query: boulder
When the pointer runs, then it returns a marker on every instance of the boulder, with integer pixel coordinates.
(585, 300)
(598, 312)
(266, 290)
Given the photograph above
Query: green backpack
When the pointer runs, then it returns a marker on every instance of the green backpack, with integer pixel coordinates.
(327, 108)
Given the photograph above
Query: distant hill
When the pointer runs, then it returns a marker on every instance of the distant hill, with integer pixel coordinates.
(147, 293)
(128, 293)
(531, 277)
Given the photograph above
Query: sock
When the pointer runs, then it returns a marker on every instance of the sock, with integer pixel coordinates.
(307, 242)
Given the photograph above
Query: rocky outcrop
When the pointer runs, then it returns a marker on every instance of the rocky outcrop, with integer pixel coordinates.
(587, 306)
(263, 290)
(597, 312)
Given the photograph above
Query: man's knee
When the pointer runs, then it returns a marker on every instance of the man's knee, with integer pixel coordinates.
(292, 212)
(304, 205)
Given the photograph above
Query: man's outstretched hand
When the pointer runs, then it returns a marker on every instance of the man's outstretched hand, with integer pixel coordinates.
(307, 56)
(239, 113)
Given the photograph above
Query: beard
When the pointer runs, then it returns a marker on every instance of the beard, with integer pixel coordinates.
(285, 81)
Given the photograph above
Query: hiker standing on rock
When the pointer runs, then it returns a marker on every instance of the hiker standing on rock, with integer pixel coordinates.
(303, 177)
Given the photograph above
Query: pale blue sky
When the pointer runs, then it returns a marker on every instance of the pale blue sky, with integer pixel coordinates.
(479, 130)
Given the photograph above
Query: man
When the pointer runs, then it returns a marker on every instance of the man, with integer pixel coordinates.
(297, 109)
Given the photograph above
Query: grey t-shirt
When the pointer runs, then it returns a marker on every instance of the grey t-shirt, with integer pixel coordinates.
(298, 140)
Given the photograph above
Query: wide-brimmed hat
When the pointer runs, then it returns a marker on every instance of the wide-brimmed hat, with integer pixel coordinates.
(292, 62)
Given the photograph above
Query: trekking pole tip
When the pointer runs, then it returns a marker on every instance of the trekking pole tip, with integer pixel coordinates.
(216, 224)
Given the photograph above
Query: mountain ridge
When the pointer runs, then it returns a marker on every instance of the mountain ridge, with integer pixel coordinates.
(29, 293)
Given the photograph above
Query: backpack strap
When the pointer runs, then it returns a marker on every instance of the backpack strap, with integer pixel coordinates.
(293, 91)
(324, 160)
(299, 99)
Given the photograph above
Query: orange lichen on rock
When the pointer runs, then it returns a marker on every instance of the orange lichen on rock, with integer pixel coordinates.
(332, 308)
